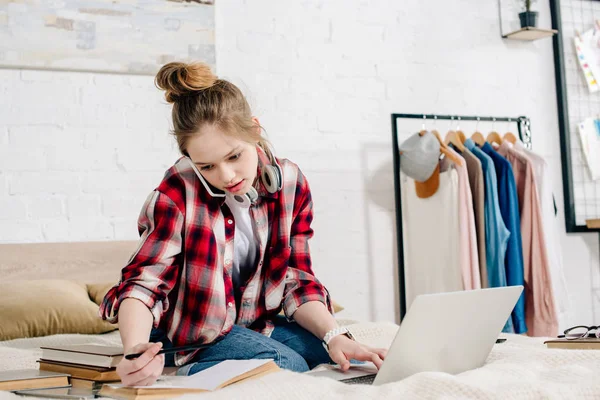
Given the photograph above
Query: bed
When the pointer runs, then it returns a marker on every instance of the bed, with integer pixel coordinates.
(520, 368)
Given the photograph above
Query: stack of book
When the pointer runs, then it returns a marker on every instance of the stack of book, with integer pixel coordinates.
(89, 366)
(24, 379)
(65, 368)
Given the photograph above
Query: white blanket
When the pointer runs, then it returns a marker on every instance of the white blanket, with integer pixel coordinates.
(520, 368)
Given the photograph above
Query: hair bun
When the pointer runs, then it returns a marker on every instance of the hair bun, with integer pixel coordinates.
(177, 79)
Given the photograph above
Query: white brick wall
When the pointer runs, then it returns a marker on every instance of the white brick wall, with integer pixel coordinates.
(80, 152)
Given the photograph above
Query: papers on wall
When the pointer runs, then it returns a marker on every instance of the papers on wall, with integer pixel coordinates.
(589, 133)
(587, 47)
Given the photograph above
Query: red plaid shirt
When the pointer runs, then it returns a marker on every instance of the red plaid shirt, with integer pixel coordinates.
(182, 269)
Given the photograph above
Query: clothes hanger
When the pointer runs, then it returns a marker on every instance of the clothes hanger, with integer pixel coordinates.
(444, 149)
(509, 136)
(460, 134)
(452, 137)
(493, 136)
(477, 137)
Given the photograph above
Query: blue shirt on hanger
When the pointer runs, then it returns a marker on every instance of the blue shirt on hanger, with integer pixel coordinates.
(496, 234)
(509, 208)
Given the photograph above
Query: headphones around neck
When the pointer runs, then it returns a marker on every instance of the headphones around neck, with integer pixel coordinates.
(271, 176)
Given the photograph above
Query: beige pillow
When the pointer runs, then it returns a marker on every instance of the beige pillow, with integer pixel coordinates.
(336, 307)
(97, 291)
(47, 307)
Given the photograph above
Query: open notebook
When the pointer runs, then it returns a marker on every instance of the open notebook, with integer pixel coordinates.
(223, 374)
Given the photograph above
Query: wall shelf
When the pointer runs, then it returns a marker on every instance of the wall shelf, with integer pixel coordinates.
(592, 223)
(530, 33)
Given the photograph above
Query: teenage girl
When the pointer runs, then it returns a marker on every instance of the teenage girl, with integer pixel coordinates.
(224, 249)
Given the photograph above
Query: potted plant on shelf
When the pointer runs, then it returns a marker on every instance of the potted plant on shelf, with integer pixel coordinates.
(528, 18)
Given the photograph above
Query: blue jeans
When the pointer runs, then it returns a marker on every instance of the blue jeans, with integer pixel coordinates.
(291, 346)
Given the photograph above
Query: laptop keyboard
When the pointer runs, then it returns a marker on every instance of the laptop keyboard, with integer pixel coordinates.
(360, 380)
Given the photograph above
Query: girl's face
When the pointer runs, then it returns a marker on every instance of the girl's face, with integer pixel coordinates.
(226, 162)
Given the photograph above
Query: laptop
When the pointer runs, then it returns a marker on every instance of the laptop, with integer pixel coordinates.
(443, 332)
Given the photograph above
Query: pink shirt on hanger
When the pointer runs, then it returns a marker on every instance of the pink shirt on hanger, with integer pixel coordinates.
(540, 311)
(551, 234)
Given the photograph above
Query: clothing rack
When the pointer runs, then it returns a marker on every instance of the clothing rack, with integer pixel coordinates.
(524, 129)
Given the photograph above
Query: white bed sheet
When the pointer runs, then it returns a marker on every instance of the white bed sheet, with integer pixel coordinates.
(521, 368)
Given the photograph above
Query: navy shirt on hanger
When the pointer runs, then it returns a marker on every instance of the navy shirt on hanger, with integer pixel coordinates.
(509, 208)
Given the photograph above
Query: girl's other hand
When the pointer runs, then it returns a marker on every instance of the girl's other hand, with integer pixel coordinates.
(342, 349)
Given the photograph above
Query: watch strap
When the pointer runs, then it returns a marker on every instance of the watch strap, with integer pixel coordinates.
(336, 332)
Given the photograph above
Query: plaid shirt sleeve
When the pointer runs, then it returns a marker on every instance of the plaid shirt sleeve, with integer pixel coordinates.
(152, 271)
(301, 286)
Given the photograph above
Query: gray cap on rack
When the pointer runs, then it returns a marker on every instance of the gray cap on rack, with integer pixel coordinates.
(420, 154)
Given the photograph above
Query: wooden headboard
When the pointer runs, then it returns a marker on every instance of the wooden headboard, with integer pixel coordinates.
(87, 262)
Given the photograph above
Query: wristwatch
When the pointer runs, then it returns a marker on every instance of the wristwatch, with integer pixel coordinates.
(335, 332)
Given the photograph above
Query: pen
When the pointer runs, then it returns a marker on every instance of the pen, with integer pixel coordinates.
(170, 350)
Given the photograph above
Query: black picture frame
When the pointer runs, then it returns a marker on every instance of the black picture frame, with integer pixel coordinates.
(563, 123)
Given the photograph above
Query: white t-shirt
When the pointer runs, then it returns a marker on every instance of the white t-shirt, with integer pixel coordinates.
(431, 238)
(245, 245)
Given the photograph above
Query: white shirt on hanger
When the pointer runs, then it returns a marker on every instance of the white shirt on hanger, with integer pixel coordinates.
(431, 238)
